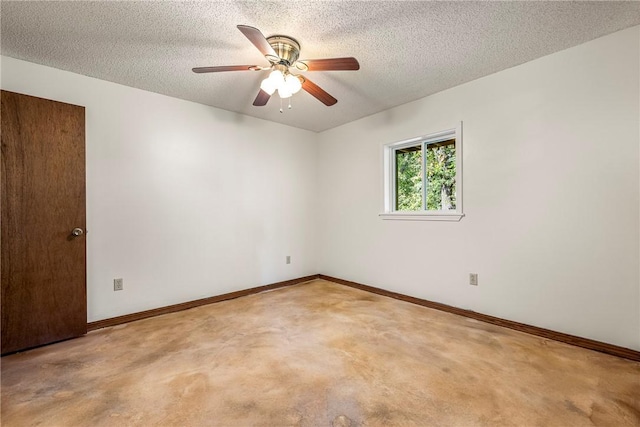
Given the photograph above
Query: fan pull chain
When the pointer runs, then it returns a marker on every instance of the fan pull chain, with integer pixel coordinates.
(288, 107)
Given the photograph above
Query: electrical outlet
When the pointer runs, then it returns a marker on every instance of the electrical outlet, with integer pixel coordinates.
(473, 279)
(288, 259)
(118, 284)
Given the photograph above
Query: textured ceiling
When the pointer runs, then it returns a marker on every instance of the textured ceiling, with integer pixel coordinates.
(406, 50)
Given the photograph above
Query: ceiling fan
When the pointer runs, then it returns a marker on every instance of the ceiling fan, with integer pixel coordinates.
(282, 52)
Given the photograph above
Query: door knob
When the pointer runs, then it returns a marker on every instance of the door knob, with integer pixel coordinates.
(77, 232)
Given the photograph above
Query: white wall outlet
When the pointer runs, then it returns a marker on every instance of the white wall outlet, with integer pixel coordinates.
(118, 284)
(288, 259)
(473, 279)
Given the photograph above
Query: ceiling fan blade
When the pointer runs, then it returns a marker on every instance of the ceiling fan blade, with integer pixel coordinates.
(319, 93)
(262, 99)
(330, 64)
(224, 68)
(258, 39)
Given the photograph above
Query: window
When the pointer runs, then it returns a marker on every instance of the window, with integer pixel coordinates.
(423, 177)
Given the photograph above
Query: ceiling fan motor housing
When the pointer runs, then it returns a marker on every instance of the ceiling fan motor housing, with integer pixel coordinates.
(286, 48)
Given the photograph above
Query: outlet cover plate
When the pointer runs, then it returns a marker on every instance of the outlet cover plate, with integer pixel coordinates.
(118, 284)
(473, 279)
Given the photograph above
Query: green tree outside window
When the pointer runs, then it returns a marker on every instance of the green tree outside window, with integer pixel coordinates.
(440, 176)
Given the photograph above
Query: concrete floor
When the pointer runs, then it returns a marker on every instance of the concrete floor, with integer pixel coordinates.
(316, 354)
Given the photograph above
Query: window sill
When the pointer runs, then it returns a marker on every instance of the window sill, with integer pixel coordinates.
(422, 216)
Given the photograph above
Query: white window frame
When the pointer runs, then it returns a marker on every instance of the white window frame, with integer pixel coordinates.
(389, 166)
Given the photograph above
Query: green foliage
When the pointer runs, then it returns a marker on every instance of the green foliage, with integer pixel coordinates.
(441, 178)
(409, 180)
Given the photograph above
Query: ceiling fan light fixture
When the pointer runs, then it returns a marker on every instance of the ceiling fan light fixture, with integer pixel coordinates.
(286, 84)
(268, 86)
(283, 92)
(293, 83)
(277, 78)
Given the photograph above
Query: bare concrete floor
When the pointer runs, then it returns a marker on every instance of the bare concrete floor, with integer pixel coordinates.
(316, 354)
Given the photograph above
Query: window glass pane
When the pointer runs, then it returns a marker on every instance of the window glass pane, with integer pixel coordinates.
(441, 176)
(409, 179)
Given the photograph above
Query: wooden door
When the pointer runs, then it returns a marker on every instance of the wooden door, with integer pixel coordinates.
(43, 271)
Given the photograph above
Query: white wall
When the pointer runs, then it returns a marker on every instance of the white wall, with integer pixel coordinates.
(184, 201)
(551, 196)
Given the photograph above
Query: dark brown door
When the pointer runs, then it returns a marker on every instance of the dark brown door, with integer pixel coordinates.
(43, 271)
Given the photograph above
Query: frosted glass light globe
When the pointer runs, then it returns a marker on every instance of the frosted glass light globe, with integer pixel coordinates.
(284, 92)
(268, 86)
(277, 78)
(293, 83)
